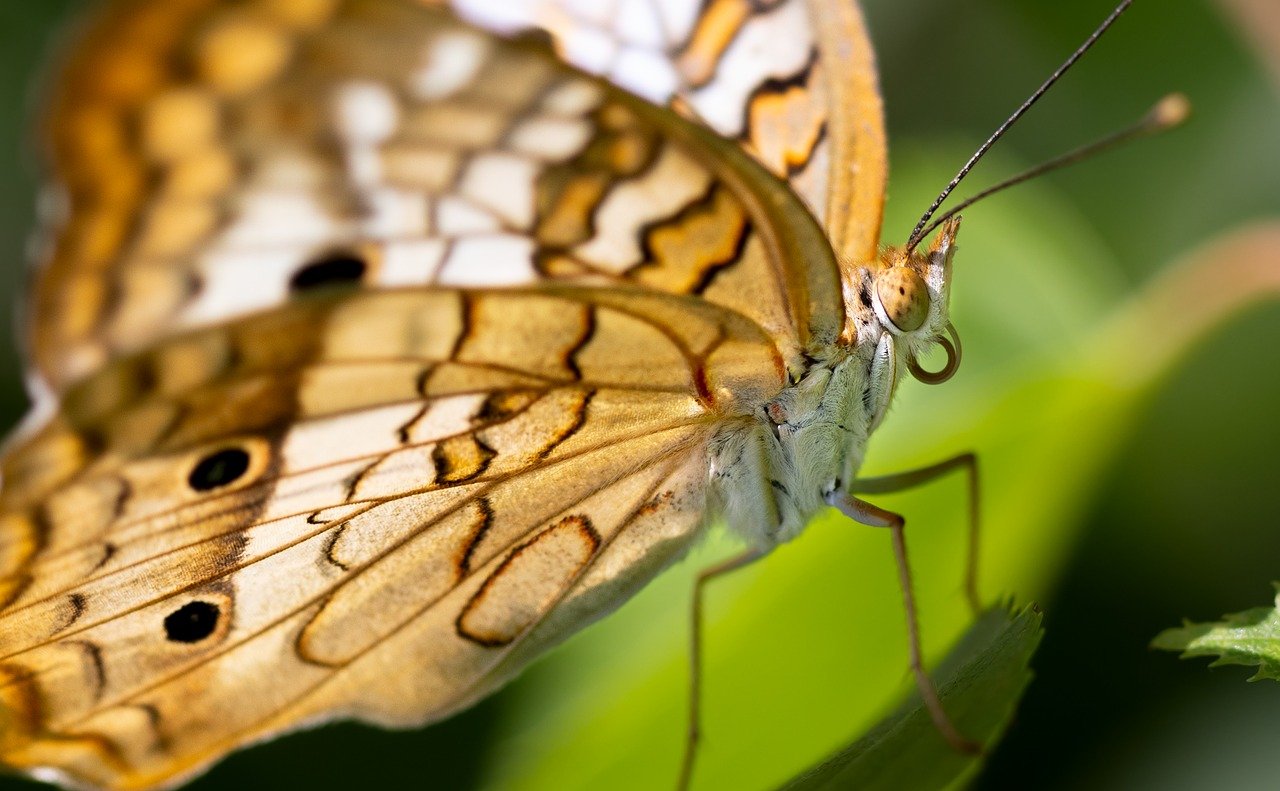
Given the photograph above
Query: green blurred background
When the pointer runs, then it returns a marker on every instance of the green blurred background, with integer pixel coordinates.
(1169, 508)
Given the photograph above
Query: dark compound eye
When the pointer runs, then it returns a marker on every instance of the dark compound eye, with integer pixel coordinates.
(333, 270)
(192, 622)
(219, 469)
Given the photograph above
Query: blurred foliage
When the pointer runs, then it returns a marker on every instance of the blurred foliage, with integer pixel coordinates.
(980, 682)
(1250, 638)
(1121, 491)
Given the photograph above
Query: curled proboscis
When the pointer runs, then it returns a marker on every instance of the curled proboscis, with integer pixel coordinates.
(953, 349)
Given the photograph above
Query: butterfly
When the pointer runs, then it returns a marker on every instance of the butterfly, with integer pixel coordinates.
(377, 346)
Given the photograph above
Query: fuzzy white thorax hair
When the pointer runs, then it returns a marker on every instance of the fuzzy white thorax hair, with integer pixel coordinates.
(771, 471)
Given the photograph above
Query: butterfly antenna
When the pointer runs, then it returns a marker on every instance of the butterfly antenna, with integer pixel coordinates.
(918, 233)
(1168, 113)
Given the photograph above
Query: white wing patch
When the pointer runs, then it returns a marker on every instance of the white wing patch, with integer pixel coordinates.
(774, 45)
(672, 183)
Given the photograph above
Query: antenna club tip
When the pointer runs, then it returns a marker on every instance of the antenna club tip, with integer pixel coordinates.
(1172, 110)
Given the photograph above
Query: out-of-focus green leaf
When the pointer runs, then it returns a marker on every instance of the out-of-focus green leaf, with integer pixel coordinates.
(1250, 638)
(980, 682)
(1259, 21)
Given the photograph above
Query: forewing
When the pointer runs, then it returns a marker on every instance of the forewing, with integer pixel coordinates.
(377, 505)
(794, 81)
(212, 159)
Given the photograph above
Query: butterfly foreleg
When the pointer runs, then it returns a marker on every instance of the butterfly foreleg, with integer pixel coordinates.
(898, 482)
(868, 514)
(695, 657)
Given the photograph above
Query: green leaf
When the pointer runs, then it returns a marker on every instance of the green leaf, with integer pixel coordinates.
(1250, 638)
(980, 682)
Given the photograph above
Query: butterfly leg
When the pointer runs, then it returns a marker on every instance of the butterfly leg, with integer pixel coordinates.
(911, 478)
(868, 514)
(695, 658)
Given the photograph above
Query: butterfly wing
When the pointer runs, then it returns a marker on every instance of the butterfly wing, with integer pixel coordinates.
(794, 81)
(233, 532)
(212, 159)
(262, 525)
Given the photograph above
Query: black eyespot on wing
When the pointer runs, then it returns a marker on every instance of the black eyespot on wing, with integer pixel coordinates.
(192, 622)
(335, 269)
(219, 469)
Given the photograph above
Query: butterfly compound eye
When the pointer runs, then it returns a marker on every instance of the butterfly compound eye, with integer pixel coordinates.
(904, 297)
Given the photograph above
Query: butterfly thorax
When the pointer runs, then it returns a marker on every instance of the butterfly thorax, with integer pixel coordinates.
(774, 470)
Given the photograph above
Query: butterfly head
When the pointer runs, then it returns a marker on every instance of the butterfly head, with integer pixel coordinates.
(909, 295)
